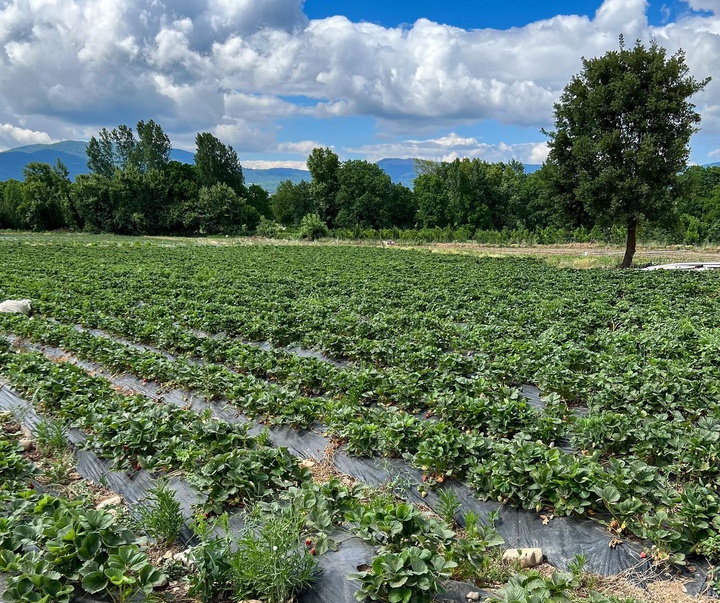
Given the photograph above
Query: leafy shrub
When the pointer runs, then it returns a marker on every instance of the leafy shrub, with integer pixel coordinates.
(313, 227)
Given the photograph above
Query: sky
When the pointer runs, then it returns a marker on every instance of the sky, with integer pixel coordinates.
(369, 79)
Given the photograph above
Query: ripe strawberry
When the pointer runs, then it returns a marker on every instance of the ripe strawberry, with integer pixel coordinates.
(643, 555)
(138, 467)
(31, 486)
(308, 542)
(312, 551)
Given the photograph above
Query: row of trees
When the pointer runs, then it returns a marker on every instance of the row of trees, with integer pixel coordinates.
(135, 188)
(617, 157)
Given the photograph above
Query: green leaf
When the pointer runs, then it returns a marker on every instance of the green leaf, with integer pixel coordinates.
(94, 582)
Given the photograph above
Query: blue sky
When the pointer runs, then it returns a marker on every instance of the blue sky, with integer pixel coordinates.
(275, 78)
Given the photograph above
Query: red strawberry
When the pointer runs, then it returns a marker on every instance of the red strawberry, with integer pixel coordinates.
(643, 555)
(31, 486)
(138, 467)
(308, 542)
(312, 551)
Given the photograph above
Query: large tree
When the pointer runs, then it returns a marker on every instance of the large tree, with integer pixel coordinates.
(217, 163)
(622, 128)
(118, 149)
(324, 167)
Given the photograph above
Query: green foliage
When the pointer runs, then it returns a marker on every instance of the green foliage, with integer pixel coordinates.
(219, 210)
(412, 575)
(160, 514)
(268, 228)
(324, 167)
(312, 227)
(45, 196)
(217, 163)
(212, 558)
(532, 587)
(51, 436)
(622, 128)
(270, 563)
(291, 202)
(395, 527)
(54, 548)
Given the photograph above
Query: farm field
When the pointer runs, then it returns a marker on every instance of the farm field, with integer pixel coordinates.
(589, 397)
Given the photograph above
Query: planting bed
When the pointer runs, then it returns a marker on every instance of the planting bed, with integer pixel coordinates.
(581, 404)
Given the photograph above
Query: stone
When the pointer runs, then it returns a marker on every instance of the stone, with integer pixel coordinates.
(473, 595)
(112, 501)
(307, 464)
(164, 583)
(16, 306)
(526, 557)
(26, 445)
(184, 557)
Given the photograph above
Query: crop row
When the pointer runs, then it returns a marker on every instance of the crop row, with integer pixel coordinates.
(129, 429)
(516, 469)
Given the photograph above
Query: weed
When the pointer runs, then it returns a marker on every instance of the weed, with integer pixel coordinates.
(270, 562)
(449, 505)
(162, 518)
(51, 437)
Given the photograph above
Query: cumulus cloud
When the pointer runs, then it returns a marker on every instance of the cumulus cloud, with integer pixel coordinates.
(264, 164)
(709, 5)
(12, 136)
(452, 146)
(228, 66)
(302, 147)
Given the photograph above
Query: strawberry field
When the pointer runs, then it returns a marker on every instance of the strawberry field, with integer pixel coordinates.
(568, 400)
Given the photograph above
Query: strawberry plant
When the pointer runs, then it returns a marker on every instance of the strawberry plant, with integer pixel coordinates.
(410, 576)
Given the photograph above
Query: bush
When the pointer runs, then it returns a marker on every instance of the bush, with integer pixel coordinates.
(312, 227)
(268, 228)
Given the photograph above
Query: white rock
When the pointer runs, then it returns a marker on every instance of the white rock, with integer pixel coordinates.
(473, 596)
(27, 445)
(307, 464)
(526, 557)
(16, 306)
(185, 557)
(112, 501)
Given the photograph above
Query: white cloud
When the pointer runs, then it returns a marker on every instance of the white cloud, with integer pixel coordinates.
(264, 164)
(711, 5)
(303, 147)
(12, 136)
(228, 66)
(452, 146)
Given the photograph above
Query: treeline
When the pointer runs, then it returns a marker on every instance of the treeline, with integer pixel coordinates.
(135, 188)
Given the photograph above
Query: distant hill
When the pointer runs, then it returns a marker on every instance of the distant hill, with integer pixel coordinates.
(401, 171)
(71, 147)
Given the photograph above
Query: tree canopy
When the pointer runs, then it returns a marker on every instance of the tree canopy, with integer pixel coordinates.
(622, 128)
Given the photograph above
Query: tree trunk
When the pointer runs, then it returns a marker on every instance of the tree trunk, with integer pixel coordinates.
(630, 243)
